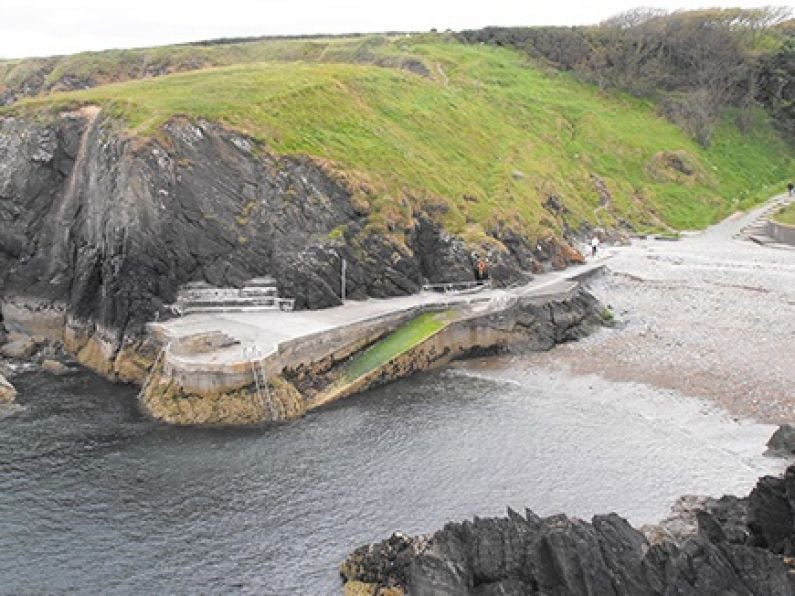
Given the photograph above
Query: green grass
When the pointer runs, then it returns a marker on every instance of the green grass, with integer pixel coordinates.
(396, 343)
(786, 215)
(120, 65)
(482, 141)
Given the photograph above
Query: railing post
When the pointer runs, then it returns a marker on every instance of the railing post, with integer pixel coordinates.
(343, 280)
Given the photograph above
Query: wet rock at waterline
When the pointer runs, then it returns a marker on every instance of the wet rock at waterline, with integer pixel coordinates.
(55, 368)
(783, 440)
(771, 511)
(7, 391)
(735, 547)
(687, 516)
(20, 348)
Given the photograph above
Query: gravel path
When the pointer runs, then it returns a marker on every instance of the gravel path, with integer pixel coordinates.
(711, 316)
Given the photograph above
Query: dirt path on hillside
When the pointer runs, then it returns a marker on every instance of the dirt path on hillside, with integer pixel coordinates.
(711, 316)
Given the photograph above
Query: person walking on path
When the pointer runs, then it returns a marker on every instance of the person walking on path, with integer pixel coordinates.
(594, 245)
(790, 189)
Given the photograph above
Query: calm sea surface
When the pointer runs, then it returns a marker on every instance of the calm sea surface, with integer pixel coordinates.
(95, 498)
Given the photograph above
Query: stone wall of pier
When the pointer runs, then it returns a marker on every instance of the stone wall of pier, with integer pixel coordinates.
(214, 394)
(781, 232)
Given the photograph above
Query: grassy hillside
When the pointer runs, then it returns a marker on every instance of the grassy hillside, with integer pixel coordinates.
(34, 76)
(475, 133)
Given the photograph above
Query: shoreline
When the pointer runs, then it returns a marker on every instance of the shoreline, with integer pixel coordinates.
(711, 316)
(711, 319)
(708, 316)
(463, 447)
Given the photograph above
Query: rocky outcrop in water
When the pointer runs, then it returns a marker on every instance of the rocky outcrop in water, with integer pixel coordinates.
(7, 391)
(98, 230)
(739, 546)
(783, 440)
(688, 512)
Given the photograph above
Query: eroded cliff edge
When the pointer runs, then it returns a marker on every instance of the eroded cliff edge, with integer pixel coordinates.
(98, 230)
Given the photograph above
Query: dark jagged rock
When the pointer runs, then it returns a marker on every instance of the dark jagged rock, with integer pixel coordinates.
(731, 513)
(528, 555)
(771, 511)
(783, 440)
(385, 562)
(688, 518)
(443, 257)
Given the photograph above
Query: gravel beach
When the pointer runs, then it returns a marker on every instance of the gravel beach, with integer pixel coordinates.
(711, 316)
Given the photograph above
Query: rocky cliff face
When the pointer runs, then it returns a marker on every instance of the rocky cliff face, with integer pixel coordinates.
(739, 546)
(98, 230)
(38, 77)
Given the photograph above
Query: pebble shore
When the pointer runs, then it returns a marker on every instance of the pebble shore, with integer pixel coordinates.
(710, 316)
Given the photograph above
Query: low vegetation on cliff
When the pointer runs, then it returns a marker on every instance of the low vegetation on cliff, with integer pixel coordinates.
(786, 215)
(480, 136)
(693, 64)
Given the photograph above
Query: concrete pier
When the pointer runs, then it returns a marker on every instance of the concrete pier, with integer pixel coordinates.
(231, 367)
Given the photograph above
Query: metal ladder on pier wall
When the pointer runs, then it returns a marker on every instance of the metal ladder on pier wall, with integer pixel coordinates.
(254, 354)
(152, 370)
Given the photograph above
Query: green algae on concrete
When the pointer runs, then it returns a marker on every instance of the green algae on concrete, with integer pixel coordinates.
(396, 343)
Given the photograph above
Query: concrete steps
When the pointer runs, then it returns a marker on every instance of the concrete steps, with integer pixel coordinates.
(760, 238)
(756, 231)
(257, 294)
(284, 304)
